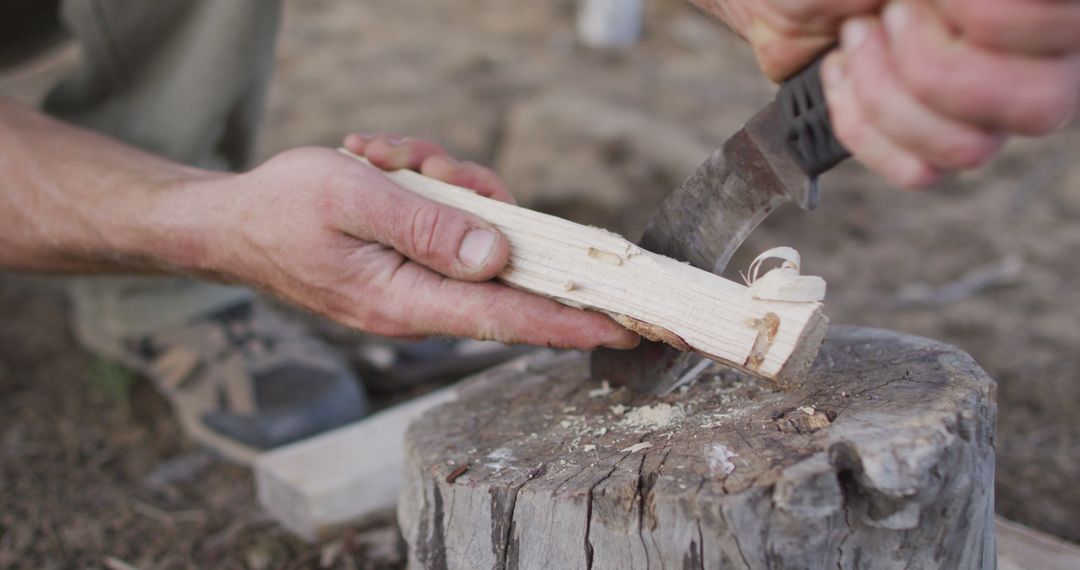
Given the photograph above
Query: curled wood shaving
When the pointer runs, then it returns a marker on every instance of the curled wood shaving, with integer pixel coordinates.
(783, 283)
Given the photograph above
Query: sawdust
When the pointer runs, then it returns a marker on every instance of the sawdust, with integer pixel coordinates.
(652, 417)
(720, 459)
(499, 459)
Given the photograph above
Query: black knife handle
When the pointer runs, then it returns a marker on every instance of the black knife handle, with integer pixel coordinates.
(810, 135)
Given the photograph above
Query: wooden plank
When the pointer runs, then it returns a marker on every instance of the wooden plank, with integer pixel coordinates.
(656, 296)
(342, 475)
(1023, 548)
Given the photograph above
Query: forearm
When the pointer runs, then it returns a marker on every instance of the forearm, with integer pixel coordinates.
(74, 201)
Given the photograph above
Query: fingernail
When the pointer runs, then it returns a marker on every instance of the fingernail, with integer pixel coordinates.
(394, 140)
(438, 159)
(853, 34)
(476, 247)
(353, 139)
(896, 17)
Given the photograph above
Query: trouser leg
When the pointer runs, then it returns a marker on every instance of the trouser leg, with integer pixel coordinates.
(186, 80)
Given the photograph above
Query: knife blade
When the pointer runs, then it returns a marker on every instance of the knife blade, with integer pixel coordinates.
(774, 159)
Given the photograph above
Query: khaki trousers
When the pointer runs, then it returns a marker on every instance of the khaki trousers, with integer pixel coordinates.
(186, 80)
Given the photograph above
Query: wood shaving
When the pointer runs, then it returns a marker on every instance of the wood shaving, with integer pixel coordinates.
(603, 390)
(636, 447)
(783, 283)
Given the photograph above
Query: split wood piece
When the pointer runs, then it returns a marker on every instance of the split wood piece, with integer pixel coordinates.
(340, 476)
(1024, 548)
(655, 296)
(883, 458)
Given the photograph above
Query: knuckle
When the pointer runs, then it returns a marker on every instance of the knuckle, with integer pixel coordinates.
(304, 153)
(968, 152)
(851, 131)
(924, 79)
(921, 71)
(875, 106)
(427, 221)
(975, 19)
(915, 175)
(1054, 109)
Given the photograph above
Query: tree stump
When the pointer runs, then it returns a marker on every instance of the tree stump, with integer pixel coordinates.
(882, 458)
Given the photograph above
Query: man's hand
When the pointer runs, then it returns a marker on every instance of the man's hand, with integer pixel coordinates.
(787, 34)
(336, 236)
(311, 225)
(918, 88)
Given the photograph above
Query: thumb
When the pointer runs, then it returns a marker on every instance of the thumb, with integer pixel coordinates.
(450, 241)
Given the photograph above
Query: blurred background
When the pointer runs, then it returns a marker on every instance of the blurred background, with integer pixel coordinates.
(93, 466)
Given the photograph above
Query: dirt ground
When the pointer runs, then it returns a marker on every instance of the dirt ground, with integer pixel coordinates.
(93, 471)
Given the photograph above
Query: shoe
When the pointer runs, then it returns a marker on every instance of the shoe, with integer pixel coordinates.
(243, 380)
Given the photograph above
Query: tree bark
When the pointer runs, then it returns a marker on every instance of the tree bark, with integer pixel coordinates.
(882, 458)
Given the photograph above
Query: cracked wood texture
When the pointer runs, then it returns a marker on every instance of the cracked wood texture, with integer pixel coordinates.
(655, 296)
(882, 458)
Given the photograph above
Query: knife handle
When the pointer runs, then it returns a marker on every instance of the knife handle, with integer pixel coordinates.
(810, 135)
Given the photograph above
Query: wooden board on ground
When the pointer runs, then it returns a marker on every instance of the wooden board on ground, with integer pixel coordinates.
(656, 296)
(882, 458)
(342, 475)
(1023, 548)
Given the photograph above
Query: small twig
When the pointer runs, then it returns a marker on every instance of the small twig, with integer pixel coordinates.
(1036, 179)
(179, 469)
(536, 471)
(116, 564)
(1006, 271)
(166, 517)
(689, 376)
(457, 473)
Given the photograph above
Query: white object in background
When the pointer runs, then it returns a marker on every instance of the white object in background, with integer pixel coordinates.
(610, 23)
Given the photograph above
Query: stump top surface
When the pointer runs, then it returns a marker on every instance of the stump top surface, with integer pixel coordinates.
(884, 453)
(541, 418)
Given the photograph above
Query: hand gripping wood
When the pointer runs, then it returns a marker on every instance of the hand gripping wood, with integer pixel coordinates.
(655, 296)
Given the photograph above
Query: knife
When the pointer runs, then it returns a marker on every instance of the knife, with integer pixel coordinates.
(774, 159)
